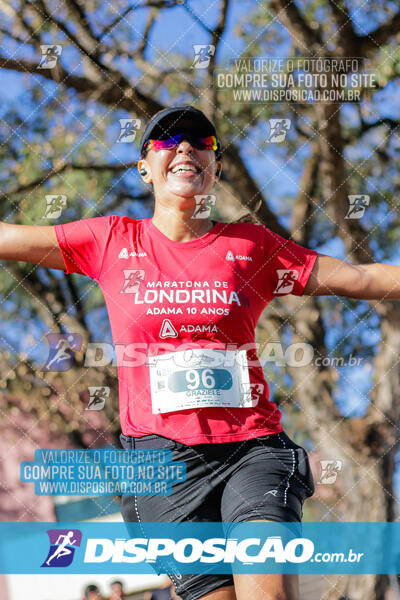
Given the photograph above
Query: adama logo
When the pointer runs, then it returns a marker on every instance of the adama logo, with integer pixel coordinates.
(167, 329)
(231, 256)
(125, 254)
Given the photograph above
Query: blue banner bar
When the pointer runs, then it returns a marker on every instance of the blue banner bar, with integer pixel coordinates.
(141, 548)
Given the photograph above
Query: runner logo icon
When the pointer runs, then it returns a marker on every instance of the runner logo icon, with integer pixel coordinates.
(63, 543)
(202, 55)
(204, 203)
(54, 205)
(50, 56)
(278, 130)
(329, 471)
(133, 277)
(357, 205)
(98, 396)
(128, 131)
(61, 350)
(287, 278)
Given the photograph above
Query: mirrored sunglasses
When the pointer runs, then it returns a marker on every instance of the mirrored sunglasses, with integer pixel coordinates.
(206, 143)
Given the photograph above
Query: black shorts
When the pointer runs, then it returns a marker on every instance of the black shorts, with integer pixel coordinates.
(265, 478)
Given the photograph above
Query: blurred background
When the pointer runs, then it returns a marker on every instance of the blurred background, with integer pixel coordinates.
(78, 82)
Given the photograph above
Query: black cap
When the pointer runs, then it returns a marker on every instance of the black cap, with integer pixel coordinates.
(179, 119)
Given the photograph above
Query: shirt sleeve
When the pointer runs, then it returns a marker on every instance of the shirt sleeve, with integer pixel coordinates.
(288, 264)
(83, 244)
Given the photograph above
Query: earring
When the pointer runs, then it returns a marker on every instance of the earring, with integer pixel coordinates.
(143, 172)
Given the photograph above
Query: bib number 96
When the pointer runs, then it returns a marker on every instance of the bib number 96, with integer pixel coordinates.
(205, 377)
(200, 379)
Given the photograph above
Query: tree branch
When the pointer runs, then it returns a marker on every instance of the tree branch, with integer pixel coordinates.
(216, 37)
(86, 32)
(60, 169)
(303, 207)
(13, 37)
(149, 4)
(209, 97)
(26, 25)
(141, 49)
(302, 35)
(28, 286)
(119, 93)
(117, 20)
(248, 192)
(191, 12)
(377, 38)
(91, 55)
(346, 34)
(75, 296)
(391, 124)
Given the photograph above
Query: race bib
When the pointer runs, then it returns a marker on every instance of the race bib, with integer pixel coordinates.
(198, 378)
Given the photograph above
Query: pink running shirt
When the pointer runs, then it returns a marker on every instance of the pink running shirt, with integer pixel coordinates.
(205, 293)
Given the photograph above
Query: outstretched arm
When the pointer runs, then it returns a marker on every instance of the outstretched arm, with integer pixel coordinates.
(333, 277)
(32, 244)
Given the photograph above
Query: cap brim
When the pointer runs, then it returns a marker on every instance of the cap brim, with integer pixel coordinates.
(173, 124)
(178, 120)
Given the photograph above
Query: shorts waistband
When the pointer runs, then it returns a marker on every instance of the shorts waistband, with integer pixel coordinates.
(147, 441)
(275, 440)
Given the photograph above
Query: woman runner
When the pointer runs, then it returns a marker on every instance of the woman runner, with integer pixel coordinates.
(179, 280)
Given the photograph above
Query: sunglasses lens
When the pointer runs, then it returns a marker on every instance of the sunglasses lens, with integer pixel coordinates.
(172, 141)
(208, 143)
(164, 144)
